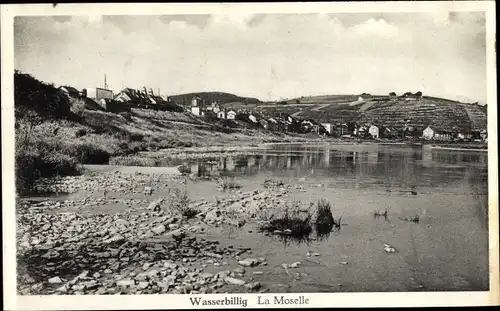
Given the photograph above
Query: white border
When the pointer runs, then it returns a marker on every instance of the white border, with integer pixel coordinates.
(14, 302)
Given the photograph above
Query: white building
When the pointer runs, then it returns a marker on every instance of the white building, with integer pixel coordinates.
(98, 93)
(374, 131)
(195, 101)
(221, 114)
(231, 115)
(214, 107)
(196, 111)
(428, 133)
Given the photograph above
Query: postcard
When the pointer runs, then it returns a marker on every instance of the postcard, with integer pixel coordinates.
(249, 155)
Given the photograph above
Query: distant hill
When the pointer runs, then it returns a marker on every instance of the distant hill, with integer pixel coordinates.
(209, 97)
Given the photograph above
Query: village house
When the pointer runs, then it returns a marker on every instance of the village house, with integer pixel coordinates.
(252, 118)
(231, 115)
(213, 107)
(374, 131)
(221, 114)
(98, 93)
(434, 133)
(196, 106)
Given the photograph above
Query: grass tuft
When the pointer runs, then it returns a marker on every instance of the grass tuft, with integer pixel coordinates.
(269, 182)
(228, 183)
(414, 220)
(384, 214)
(292, 221)
(324, 213)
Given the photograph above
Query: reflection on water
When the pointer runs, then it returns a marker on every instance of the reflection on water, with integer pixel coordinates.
(358, 168)
(321, 233)
(447, 249)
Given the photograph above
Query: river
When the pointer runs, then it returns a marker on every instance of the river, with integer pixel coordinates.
(446, 250)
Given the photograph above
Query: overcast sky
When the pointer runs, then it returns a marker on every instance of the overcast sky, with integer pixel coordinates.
(266, 56)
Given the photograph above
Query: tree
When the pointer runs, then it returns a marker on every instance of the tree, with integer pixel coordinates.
(392, 94)
(419, 94)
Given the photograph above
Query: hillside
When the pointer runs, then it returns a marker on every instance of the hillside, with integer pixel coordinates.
(209, 97)
(55, 133)
(391, 112)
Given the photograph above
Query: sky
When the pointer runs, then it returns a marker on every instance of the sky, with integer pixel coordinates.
(271, 56)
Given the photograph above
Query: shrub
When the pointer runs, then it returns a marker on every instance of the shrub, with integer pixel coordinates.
(136, 137)
(180, 203)
(32, 163)
(80, 133)
(77, 107)
(89, 154)
(44, 99)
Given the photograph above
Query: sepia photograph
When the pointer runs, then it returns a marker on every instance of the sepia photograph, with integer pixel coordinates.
(249, 155)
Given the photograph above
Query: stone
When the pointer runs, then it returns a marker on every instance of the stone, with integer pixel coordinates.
(206, 275)
(159, 229)
(295, 264)
(173, 226)
(91, 285)
(258, 272)
(239, 270)
(116, 238)
(234, 281)
(125, 282)
(253, 286)
(248, 262)
(121, 223)
(62, 289)
(55, 280)
(143, 284)
(214, 255)
(108, 271)
(156, 204)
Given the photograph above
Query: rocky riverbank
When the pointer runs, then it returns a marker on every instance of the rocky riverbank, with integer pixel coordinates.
(108, 237)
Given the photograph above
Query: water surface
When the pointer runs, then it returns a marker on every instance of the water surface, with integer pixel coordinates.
(446, 250)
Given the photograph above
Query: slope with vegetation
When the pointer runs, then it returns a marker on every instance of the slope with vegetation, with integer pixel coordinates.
(390, 111)
(56, 133)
